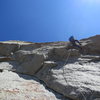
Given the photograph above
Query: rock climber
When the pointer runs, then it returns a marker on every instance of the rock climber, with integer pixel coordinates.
(75, 43)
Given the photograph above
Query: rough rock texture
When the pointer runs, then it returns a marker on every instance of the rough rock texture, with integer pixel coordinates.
(29, 62)
(79, 81)
(14, 64)
(78, 76)
(23, 87)
(92, 45)
(60, 66)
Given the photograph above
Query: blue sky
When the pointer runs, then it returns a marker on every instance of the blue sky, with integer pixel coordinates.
(48, 20)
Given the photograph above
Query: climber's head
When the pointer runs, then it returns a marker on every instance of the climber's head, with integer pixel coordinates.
(71, 38)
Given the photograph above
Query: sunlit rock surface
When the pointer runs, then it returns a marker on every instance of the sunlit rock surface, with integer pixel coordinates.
(15, 86)
(62, 68)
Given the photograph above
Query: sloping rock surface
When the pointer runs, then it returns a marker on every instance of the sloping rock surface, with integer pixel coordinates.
(92, 45)
(16, 66)
(62, 67)
(15, 86)
(79, 81)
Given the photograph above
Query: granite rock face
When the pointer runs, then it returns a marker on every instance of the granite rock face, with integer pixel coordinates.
(15, 86)
(62, 68)
(29, 62)
(17, 67)
(92, 45)
(78, 81)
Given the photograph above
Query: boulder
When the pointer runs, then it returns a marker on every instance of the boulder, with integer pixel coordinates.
(29, 62)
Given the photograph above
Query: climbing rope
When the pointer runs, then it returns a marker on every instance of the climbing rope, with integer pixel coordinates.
(64, 73)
